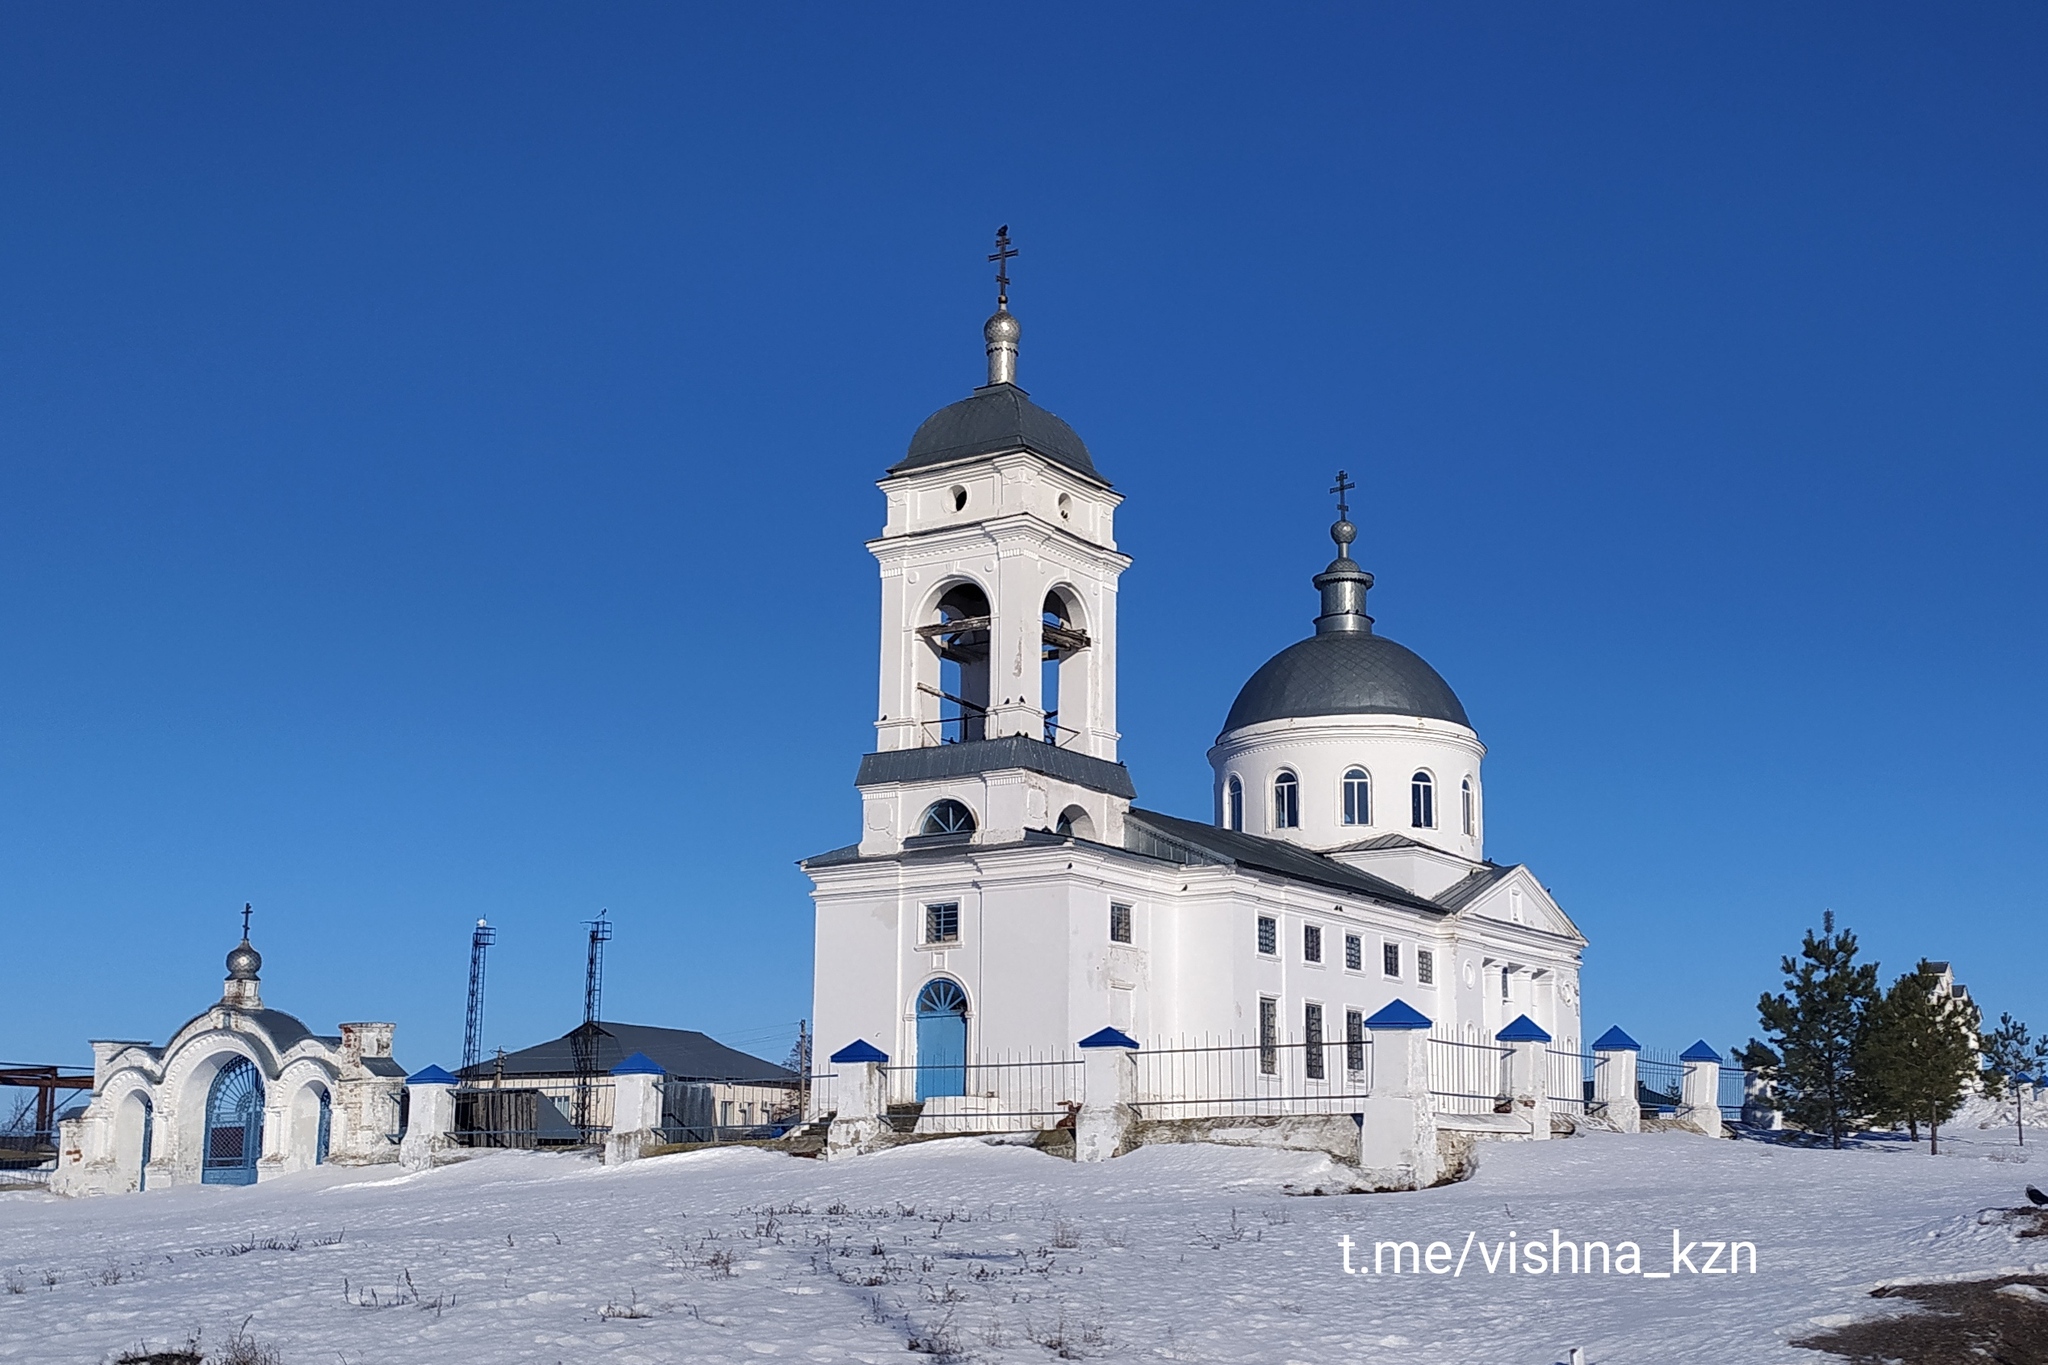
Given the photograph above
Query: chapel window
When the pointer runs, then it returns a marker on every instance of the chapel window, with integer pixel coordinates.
(1269, 1035)
(1425, 967)
(1233, 803)
(1354, 1040)
(1471, 811)
(1390, 959)
(1357, 797)
(1311, 943)
(1354, 952)
(1286, 801)
(1119, 923)
(1269, 935)
(1422, 801)
(947, 817)
(942, 923)
(1312, 1035)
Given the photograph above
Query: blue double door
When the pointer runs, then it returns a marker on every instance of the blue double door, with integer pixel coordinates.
(234, 1125)
(941, 1039)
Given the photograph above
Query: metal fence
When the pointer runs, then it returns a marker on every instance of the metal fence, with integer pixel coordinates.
(999, 1094)
(1468, 1077)
(1571, 1081)
(545, 1113)
(1253, 1079)
(1660, 1082)
(696, 1111)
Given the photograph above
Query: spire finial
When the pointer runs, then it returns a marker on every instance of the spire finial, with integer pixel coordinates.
(1343, 585)
(1001, 331)
(246, 907)
(1342, 531)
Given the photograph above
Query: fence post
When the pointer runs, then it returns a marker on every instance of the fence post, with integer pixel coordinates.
(430, 1119)
(636, 1109)
(858, 1124)
(1109, 1085)
(1396, 1134)
(1700, 1094)
(1529, 1072)
(1614, 1080)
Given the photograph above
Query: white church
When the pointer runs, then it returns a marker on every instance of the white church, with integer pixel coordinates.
(1007, 898)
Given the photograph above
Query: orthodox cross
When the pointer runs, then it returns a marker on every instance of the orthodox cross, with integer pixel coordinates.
(1003, 252)
(245, 920)
(1343, 486)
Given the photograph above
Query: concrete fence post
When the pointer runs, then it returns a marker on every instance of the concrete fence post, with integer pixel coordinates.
(858, 1125)
(1529, 1073)
(636, 1109)
(1614, 1081)
(430, 1120)
(1109, 1088)
(1396, 1134)
(1700, 1094)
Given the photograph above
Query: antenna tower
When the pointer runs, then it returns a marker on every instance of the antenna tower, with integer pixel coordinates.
(586, 1037)
(473, 1024)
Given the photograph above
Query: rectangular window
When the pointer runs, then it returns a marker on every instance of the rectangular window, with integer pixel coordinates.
(1269, 935)
(1390, 958)
(1312, 1034)
(1354, 952)
(1354, 1040)
(942, 923)
(1269, 1035)
(1505, 975)
(1425, 966)
(1119, 923)
(1311, 943)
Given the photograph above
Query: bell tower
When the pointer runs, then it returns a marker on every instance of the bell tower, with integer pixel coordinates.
(999, 572)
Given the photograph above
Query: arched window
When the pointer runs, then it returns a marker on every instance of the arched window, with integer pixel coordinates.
(1063, 668)
(959, 639)
(1286, 801)
(1471, 814)
(1422, 801)
(947, 817)
(1233, 803)
(1357, 797)
(1075, 823)
(941, 1039)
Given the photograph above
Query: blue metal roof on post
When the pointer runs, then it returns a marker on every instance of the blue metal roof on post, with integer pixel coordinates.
(431, 1075)
(1614, 1040)
(1699, 1052)
(1398, 1014)
(860, 1050)
(1522, 1030)
(639, 1064)
(1108, 1037)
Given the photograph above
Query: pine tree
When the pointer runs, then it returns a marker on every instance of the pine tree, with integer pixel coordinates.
(1814, 1026)
(2011, 1050)
(1918, 1054)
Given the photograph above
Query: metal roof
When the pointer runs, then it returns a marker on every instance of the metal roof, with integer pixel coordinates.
(684, 1054)
(1345, 673)
(994, 755)
(991, 420)
(1168, 836)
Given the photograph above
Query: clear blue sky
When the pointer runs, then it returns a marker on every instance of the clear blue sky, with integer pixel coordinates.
(436, 446)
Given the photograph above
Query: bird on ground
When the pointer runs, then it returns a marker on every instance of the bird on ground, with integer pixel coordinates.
(2035, 1195)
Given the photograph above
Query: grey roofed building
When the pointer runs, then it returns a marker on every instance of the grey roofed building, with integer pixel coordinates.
(684, 1054)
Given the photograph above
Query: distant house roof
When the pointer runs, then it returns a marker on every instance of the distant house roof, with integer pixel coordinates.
(684, 1054)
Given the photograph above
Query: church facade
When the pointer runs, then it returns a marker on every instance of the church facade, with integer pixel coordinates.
(1007, 897)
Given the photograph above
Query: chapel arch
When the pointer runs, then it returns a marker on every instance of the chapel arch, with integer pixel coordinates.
(309, 1119)
(1064, 690)
(1076, 821)
(953, 668)
(134, 1120)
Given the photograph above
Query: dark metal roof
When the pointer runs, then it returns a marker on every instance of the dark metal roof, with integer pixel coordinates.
(1462, 893)
(994, 755)
(684, 1054)
(1345, 673)
(1186, 841)
(989, 421)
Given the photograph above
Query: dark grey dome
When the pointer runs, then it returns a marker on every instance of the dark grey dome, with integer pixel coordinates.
(244, 962)
(1345, 673)
(996, 418)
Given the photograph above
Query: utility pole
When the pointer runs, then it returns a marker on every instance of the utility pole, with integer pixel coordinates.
(473, 1025)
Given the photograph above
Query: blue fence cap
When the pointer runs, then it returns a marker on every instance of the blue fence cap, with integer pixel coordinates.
(1108, 1037)
(1699, 1052)
(431, 1075)
(860, 1050)
(1614, 1040)
(639, 1064)
(1398, 1014)
(1522, 1030)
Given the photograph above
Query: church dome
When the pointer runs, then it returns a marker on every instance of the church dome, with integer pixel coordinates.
(244, 961)
(996, 418)
(1345, 673)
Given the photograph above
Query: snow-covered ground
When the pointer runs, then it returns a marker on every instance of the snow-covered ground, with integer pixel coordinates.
(1001, 1253)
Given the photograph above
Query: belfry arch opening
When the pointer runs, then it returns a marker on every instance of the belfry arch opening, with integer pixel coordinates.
(1063, 669)
(953, 679)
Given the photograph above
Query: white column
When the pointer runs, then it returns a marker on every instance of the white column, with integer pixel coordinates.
(858, 1126)
(430, 1120)
(636, 1109)
(1109, 1087)
(1614, 1081)
(1529, 1073)
(1700, 1093)
(1397, 1135)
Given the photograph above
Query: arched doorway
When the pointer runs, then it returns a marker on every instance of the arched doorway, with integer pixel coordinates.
(234, 1125)
(326, 1127)
(941, 1039)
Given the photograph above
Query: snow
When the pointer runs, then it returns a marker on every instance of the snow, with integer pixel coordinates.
(1003, 1253)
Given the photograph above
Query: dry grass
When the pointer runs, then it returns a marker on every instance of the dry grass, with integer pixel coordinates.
(1981, 1322)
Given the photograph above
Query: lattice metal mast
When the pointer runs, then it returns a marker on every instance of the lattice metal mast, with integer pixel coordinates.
(473, 1024)
(593, 967)
(585, 1047)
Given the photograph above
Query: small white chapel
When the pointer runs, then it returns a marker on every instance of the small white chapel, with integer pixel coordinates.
(1007, 897)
